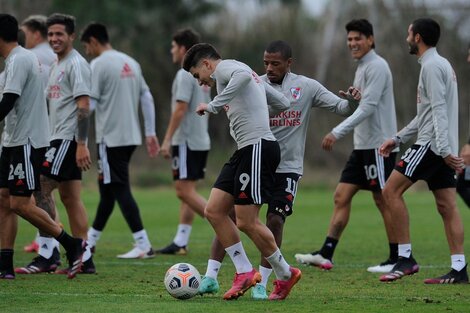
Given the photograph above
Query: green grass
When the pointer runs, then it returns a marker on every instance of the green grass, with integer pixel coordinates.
(136, 286)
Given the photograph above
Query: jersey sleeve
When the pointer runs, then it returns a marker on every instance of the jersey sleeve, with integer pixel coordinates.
(16, 75)
(184, 86)
(236, 80)
(325, 99)
(96, 80)
(376, 78)
(434, 83)
(80, 78)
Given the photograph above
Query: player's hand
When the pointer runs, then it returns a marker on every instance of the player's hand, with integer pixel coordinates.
(328, 142)
(352, 94)
(153, 147)
(455, 163)
(83, 157)
(201, 108)
(465, 154)
(165, 149)
(387, 147)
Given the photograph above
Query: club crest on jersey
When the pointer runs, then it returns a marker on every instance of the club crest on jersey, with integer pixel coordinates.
(296, 93)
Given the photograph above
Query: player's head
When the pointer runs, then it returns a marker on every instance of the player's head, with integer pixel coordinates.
(423, 31)
(360, 37)
(8, 28)
(94, 36)
(35, 30)
(277, 60)
(181, 42)
(61, 33)
(201, 61)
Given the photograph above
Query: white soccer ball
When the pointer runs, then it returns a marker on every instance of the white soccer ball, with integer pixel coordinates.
(182, 281)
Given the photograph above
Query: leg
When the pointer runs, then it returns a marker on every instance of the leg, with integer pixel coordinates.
(217, 213)
(105, 206)
(45, 199)
(187, 193)
(69, 192)
(275, 223)
(463, 187)
(447, 208)
(393, 192)
(342, 208)
(8, 221)
(186, 214)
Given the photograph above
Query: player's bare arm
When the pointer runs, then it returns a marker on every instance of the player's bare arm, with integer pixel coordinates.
(465, 154)
(83, 124)
(175, 122)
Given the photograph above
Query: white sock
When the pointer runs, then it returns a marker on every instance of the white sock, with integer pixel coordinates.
(182, 235)
(93, 236)
(142, 240)
(458, 261)
(46, 246)
(86, 254)
(239, 258)
(213, 268)
(265, 273)
(279, 265)
(404, 250)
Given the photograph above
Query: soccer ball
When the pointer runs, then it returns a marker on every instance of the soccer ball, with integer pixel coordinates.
(182, 281)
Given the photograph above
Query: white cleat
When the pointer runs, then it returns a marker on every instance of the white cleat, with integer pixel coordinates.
(385, 267)
(315, 259)
(137, 253)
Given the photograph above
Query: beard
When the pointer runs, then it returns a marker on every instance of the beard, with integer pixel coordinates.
(413, 48)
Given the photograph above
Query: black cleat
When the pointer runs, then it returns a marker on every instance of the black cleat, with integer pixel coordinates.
(41, 265)
(173, 249)
(404, 266)
(453, 277)
(7, 274)
(74, 256)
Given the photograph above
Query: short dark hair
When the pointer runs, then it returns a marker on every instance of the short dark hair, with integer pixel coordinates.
(67, 20)
(428, 29)
(8, 28)
(198, 52)
(280, 46)
(36, 23)
(21, 37)
(97, 31)
(186, 37)
(362, 26)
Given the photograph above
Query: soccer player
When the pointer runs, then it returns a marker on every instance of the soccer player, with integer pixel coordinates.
(463, 180)
(433, 158)
(25, 138)
(118, 87)
(186, 141)
(247, 179)
(372, 122)
(68, 94)
(290, 130)
(35, 30)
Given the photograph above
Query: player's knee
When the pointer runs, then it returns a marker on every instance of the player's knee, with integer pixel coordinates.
(275, 222)
(244, 226)
(211, 214)
(20, 205)
(341, 200)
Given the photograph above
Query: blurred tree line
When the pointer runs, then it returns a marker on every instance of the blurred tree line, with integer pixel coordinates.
(241, 30)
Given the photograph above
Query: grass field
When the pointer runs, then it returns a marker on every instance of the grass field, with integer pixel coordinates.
(136, 286)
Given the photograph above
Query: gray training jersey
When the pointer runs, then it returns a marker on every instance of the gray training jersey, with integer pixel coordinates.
(374, 121)
(290, 126)
(27, 121)
(69, 79)
(193, 129)
(244, 97)
(46, 57)
(437, 105)
(117, 84)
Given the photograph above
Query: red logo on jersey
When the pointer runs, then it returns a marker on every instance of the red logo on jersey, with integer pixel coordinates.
(45, 164)
(256, 77)
(373, 182)
(126, 71)
(19, 182)
(296, 93)
(401, 164)
(242, 195)
(289, 197)
(226, 107)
